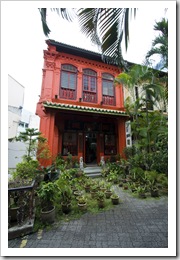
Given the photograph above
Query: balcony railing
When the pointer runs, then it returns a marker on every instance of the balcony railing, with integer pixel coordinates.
(108, 100)
(68, 93)
(89, 97)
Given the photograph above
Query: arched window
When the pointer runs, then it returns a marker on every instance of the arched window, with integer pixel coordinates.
(68, 81)
(89, 80)
(89, 85)
(108, 89)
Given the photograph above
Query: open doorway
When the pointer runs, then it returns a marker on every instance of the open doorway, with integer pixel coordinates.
(91, 148)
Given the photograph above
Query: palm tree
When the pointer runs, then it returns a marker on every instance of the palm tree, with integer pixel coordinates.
(160, 44)
(105, 27)
(63, 12)
(151, 93)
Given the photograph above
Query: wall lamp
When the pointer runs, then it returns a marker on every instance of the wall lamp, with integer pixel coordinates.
(56, 96)
(80, 99)
(101, 103)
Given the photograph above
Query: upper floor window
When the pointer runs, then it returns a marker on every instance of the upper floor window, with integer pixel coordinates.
(68, 81)
(68, 76)
(107, 84)
(89, 80)
(108, 96)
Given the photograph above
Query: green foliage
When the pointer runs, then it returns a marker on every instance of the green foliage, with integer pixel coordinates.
(100, 195)
(47, 193)
(31, 137)
(64, 190)
(26, 170)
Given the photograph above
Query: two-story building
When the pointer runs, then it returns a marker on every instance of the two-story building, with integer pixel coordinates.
(81, 111)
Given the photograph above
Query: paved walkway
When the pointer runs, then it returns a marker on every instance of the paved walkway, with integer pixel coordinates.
(134, 223)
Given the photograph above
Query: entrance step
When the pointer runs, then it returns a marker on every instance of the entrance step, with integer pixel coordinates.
(93, 171)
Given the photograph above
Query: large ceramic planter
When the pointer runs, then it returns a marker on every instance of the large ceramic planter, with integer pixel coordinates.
(115, 201)
(154, 193)
(108, 194)
(103, 189)
(93, 194)
(82, 207)
(66, 208)
(87, 188)
(77, 193)
(101, 203)
(48, 216)
(142, 195)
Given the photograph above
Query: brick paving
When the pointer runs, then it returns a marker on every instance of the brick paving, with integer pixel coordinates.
(134, 223)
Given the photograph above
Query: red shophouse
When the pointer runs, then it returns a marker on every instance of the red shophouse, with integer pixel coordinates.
(81, 111)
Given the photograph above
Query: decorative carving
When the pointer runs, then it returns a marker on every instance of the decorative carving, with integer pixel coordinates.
(50, 64)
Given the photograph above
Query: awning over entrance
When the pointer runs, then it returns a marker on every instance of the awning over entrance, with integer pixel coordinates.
(96, 110)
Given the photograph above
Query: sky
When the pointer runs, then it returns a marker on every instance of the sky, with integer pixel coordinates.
(25, 41)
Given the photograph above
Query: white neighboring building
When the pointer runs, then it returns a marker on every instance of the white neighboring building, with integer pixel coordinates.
(18, 120)
(15, 105)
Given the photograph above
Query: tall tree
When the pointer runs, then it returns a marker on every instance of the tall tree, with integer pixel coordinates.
(160, 44)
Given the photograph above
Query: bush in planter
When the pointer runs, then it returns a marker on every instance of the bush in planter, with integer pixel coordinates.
(65, 193)
(108, 191)
(47, 193)
(94, 190)
(82, 203)
(141, 192)
(115, 199)
(100, 196)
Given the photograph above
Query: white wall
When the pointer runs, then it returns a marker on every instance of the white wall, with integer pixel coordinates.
(15, 104)
(17, 115)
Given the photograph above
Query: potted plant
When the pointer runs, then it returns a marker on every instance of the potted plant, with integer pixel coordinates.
(82, 203)
(87, 185)
(141, 192)
(153, 189)
(100, 196)
(47, 193)
(125, 187)
(115, 199)
(102, 186)
(94, 190)
(108, 191)
(132, 186)
(65, 193)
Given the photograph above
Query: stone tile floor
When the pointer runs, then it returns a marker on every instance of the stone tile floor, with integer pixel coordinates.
(134, 223)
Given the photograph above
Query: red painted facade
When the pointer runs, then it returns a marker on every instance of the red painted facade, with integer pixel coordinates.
(80, 113)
